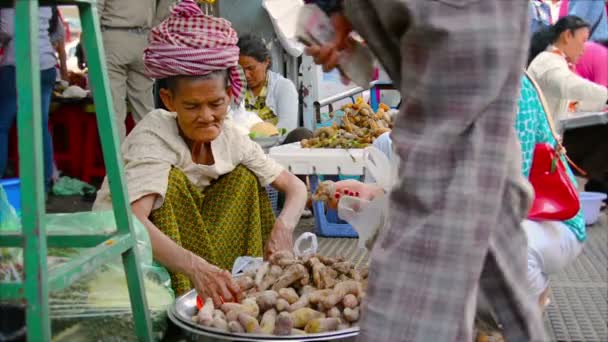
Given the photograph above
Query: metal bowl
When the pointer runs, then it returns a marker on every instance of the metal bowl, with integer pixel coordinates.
(268, 142)
(184, 308)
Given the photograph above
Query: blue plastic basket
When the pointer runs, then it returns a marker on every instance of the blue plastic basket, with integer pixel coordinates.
(273, 195)
(327, 221)
(12, 188)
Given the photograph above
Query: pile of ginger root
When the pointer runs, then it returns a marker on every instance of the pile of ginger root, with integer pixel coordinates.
(358, 128)
(292, 296)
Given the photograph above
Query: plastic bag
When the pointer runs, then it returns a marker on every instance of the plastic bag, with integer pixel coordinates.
(311, 250)
(368, 218)
(96, 307)
(9, 221)
(245, 264)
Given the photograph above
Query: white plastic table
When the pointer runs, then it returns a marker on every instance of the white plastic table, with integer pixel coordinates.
(319, 161)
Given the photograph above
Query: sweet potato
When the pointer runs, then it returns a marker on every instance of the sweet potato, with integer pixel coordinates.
(295, 331)
(301, 317)
(319, 295)
(220, 323)
(350, 301)
(248, 306)
(343, 267)
(268, 321)
(292, 274)
(284, 324)
(341, 290)
(267, 300)
(219, 314)
(351, 315)
(282, 305)
(261, 273)
(334, 312)
(245, 283)
(276, 271)
(250, 324)
(235, 327)
(302, 302)
(319, 325)
(276, 257)
(289, 294)
(205, 315)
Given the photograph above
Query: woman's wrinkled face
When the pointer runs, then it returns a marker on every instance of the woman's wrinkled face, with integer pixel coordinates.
(575, 43)
(255, 71)
(201, 106)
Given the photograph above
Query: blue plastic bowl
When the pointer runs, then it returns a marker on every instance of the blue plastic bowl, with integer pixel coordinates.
(12, 187)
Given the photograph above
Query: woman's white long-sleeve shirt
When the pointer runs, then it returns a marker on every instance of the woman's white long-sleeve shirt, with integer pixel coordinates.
(560, 86)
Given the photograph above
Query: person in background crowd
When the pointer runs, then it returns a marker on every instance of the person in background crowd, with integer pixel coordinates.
(57, 34)
(552, 245)
(125, 25)
(271, 96)
(559, 8)
(455, 211)
(592, 12)
(553, 55)
(8, 80)
(540, 15)
(192, 178)
(593, 64)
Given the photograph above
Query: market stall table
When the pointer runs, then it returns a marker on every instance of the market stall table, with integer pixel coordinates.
(579, 120)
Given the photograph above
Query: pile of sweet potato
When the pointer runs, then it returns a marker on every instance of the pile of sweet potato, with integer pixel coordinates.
(291, 296)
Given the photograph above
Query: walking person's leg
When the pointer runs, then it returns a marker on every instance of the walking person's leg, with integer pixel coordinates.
(47, 82)
(551, 247)
(458, 71)
(139, 86)
(8, 111)
(117, 61)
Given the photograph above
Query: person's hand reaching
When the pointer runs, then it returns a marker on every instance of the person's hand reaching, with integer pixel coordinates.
(211, 281)
(328, 55)
(354, 188)
(281, 239)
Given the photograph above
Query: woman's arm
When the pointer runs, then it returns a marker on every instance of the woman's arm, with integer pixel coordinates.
(209, 280)
(562, 82)
(281, 237)
(295, 197)
(63, 67)
(287, 104)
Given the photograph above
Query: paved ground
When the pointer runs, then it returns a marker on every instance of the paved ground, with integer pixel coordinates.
(579, 307)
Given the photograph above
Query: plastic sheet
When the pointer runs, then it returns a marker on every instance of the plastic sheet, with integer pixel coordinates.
(96, 307)
(368, 218)
(9, 220)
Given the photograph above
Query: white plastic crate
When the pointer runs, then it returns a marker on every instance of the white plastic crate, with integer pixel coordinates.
(319, 161)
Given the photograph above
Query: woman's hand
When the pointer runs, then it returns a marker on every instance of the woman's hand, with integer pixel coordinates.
(211, 281)
(281, 239)
(354, 188)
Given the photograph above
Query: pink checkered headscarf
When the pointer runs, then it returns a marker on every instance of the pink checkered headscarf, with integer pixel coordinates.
(190, 43)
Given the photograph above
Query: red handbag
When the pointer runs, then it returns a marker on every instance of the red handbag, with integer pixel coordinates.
(555, 197)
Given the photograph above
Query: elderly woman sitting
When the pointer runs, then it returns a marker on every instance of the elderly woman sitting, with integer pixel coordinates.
(193, 180)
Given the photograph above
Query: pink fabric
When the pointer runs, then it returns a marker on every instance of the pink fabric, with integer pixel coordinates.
(593, 64)
(563, 9)
(191, 43)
